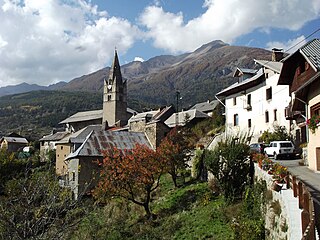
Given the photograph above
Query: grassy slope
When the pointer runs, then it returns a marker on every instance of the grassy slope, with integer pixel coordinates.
(190, 212)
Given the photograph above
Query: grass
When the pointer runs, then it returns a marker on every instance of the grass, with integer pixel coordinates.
(188, 212)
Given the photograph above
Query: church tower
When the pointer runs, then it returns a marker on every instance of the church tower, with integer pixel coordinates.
(114, 97)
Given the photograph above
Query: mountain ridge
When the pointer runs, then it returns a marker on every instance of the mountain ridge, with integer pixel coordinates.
(198, 75)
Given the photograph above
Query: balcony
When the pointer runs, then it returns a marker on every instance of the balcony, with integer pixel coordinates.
(291, 115)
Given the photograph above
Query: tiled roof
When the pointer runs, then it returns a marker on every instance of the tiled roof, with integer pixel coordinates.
(98, 141)
(205, 106)
(311, 52)
(182, 116)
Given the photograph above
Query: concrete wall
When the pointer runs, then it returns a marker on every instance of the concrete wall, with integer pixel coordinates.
(259, 103)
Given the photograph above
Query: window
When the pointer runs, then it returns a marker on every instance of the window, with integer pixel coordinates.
(267, 116)
(109, 97)
(315, 109)
(249, 99)
(275, 115)
(73, 176)
(234, 101)
(249, 123)
(235, 120)
(61, 148)
(269, 93)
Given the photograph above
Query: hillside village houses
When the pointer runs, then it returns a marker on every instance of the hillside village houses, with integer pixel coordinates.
(301, 72)
(255, 103)
(88, 134)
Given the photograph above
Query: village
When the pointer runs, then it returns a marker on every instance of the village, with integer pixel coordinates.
(281, 94)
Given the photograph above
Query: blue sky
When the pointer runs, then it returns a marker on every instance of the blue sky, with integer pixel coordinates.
(47, 41)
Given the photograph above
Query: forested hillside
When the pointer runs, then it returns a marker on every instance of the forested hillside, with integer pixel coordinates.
(34, 114)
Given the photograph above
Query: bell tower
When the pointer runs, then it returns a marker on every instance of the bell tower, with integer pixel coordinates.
(114, 97)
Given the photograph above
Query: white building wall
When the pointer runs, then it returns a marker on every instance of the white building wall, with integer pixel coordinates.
(259, 106)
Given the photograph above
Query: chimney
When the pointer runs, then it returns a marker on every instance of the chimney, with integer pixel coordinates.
(277, 54)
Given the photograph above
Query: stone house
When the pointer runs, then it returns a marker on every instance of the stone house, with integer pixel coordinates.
(70, 143)
(301, 72)
(255, 103)
(13, 144)
(82, 165)
(49, 142)
(152, 123)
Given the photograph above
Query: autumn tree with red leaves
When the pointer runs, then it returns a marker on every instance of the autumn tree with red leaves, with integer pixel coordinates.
(130, 174)
(176, 148)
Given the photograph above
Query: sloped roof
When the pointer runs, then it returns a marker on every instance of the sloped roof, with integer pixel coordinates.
(15, 140)
(84, 116)
(311, 51)
(244, 85)
(89, 115)
(55, 137)
(142, 116)
(80, 136)
(205, 106)
(182, 116)
(274, 66)
(98, 141)
(244, 71)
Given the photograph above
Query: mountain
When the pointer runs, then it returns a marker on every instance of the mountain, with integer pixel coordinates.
(25, 87)
(197, 75)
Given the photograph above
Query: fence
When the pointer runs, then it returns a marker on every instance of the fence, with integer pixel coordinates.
(306, 204)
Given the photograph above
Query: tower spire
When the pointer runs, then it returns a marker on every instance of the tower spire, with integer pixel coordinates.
(115, 96)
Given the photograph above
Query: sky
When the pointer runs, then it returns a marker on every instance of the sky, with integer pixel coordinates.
(47, 41)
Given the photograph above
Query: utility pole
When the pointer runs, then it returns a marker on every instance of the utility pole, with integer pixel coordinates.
(177, 107)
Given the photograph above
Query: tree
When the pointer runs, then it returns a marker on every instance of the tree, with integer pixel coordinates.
(130, 174)
(230, 165)
(34, 206)
(175, 148)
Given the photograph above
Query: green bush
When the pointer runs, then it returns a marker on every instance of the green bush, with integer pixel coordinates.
(229, 163)
(278, 134)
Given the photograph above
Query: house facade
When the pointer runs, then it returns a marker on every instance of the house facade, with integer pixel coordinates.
(301, 72)
(256, 103)
(48, 143)
(13, 144)
(83, 166)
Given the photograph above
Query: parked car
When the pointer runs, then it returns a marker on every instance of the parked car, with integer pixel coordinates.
(279, 149)
(257, 148)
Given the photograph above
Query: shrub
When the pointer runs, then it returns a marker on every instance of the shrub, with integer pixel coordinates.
(279, 133)
(230, 164)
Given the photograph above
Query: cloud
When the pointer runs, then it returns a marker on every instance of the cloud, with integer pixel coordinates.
(138, 59)
(289, 46)
(47, 41)
(225, 20)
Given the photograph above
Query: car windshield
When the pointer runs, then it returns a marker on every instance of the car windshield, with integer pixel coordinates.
(285, 144)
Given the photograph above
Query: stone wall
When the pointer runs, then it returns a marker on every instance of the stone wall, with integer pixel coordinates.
(283, 216)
